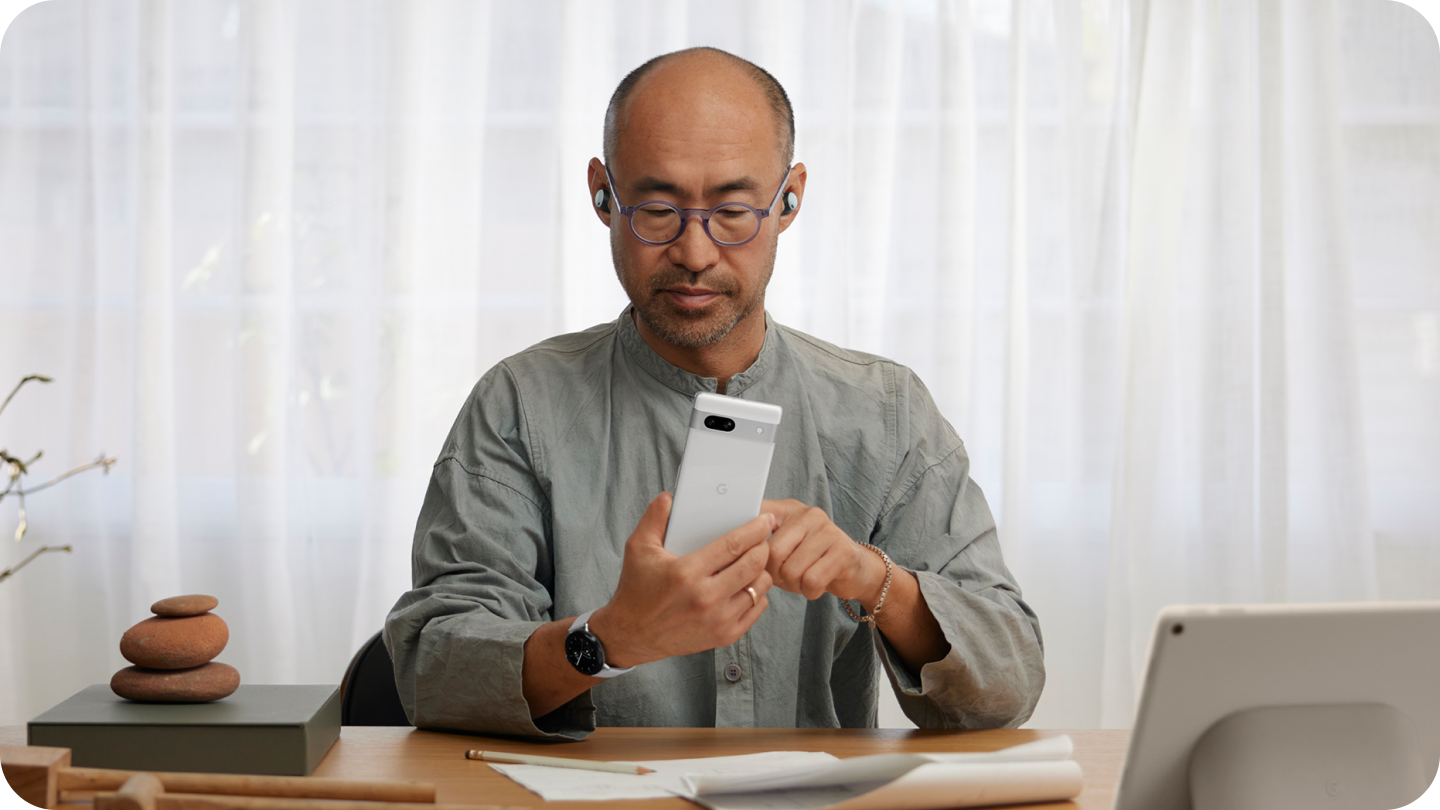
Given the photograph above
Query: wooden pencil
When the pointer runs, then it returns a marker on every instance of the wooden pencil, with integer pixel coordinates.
(557, 762)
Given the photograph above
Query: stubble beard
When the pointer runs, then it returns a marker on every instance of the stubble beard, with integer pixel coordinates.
(691, 328)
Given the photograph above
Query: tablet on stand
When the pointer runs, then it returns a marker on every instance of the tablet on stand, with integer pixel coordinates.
(1275, 707)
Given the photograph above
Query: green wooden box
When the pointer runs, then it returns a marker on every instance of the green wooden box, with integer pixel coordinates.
(264, 729)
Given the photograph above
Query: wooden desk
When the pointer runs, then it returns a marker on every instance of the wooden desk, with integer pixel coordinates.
(405, 753)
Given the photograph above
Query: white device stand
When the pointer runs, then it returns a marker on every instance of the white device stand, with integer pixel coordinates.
(1339, 756)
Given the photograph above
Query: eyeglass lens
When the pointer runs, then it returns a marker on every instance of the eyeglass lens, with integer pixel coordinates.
(729, 224)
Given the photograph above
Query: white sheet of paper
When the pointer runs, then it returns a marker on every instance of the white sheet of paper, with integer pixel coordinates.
(876, 768)
(568, 784)
(802, 780)
(1034, 772)
(928, 787)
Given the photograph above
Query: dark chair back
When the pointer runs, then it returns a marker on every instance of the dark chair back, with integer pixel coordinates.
(368, 696)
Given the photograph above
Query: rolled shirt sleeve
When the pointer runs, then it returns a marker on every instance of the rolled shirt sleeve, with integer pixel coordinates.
(938, 526)
(482, 581)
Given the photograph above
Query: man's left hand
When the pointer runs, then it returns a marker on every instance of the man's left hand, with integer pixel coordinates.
(810, 555)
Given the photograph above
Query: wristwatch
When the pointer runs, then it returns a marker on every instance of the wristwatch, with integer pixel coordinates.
(585, 652)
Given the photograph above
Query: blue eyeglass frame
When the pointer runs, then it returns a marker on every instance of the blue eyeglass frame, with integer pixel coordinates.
(704, 214)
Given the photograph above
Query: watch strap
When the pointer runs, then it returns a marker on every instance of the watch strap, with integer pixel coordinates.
(582, 622)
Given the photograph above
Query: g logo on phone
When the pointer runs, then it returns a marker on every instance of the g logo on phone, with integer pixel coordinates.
(720, 489)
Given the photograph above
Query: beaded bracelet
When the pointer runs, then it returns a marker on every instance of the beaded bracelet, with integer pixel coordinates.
(884, 589)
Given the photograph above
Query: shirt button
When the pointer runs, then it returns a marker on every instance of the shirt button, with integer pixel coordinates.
(733, 672)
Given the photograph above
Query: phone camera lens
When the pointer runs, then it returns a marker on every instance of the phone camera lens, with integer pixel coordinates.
(719, 423)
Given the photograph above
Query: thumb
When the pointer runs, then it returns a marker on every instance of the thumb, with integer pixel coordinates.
(650, 531)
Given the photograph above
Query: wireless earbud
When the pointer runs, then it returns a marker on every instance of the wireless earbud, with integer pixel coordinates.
(602, 200)
(791, 203)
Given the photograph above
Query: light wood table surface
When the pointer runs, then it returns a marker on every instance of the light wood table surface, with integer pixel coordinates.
(404, 753)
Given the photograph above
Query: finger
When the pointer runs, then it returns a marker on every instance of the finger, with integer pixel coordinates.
(818, 577)
(650, 531)
(744, 613)
(783, 543)
(781, 509)
(742, 600)
(797, 545)
(795, 569)
(751, 615)
(742, 572)
(796, 527)
(731, 546)
(762, 583)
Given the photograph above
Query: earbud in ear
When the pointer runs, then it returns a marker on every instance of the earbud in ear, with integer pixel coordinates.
(791, 203)
(602, 200)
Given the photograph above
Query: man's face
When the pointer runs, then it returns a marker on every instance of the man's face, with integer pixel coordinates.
(696, 143)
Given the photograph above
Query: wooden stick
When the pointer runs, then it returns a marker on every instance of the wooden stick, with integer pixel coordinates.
(32, 771)
(40, 775)
(138, 793)
(558, 762)
(97, 779)
(196, 801)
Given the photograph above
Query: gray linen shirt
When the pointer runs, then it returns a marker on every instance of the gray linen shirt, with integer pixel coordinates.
(555, 456)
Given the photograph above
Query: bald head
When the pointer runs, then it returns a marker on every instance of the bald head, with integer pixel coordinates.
(720, 71)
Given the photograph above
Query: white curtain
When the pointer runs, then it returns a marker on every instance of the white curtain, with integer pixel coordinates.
(1169, 266)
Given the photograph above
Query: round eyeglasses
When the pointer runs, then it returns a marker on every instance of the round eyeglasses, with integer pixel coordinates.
(656, 222)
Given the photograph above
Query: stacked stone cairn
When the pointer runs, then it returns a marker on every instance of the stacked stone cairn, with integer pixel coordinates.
(171, 652)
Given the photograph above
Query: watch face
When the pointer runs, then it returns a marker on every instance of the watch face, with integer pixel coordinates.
(583, 651)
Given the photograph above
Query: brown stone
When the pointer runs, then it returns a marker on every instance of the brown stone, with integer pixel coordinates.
(162, 642)
(207, 682)
(189, 605)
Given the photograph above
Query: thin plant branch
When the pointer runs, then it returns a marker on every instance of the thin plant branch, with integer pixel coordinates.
(103, 461)
(40, 377)
(9, 572)
(13, 469)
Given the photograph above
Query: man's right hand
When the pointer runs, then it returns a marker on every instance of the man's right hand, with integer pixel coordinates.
(666, 605)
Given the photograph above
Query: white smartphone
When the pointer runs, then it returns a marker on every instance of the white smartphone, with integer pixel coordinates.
(723, 471)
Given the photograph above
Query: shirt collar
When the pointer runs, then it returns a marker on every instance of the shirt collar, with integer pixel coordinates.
(681, 380)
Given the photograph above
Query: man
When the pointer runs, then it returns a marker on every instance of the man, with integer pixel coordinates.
(536, 512)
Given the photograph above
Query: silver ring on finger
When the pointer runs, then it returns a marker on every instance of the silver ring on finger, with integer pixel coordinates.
(754, 600)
